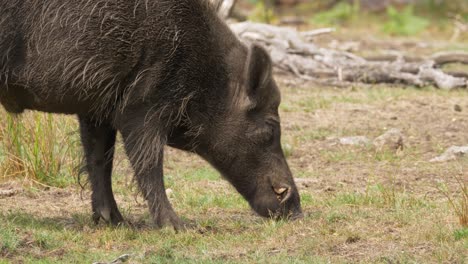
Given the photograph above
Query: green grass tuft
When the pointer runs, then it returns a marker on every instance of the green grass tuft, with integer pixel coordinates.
(404, 22)
(460, 234)
(339, 14)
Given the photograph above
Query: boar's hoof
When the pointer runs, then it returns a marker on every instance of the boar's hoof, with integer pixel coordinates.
(169, 218)
(110, 216)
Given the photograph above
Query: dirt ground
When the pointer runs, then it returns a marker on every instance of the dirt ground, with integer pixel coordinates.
(312, 117)
(361, 204)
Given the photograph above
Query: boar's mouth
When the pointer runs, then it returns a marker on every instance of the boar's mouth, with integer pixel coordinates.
(270, 196)
(277, 203)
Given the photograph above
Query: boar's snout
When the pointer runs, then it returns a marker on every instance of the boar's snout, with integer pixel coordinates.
(278, 201)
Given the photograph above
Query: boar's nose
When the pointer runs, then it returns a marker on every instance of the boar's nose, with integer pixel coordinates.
(289, 206)
(282, 193)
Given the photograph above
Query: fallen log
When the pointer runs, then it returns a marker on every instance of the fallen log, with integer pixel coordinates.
(295, 52)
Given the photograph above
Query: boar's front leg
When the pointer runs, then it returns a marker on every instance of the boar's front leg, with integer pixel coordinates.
(145, 149)
(98, 142)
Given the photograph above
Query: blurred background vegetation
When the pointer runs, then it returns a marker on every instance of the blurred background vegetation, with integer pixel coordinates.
(391, 17)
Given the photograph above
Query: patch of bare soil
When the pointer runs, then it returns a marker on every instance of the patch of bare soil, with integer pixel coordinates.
(66, 206)
(429, 121)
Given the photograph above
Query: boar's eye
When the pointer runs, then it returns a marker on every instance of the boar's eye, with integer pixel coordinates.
(262, 135)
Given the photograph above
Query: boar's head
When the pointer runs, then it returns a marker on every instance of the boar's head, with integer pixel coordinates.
(243, 139)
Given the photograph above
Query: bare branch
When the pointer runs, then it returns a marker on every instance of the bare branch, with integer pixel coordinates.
(294, 52)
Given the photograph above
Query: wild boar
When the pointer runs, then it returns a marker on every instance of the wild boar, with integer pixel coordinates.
(160, 73)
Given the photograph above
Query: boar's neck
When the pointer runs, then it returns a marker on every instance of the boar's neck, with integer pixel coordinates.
(187, 64)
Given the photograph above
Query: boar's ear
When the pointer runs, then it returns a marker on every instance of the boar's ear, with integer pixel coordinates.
(258, 75)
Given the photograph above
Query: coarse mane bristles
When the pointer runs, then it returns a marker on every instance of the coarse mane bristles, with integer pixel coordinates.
(114, 54)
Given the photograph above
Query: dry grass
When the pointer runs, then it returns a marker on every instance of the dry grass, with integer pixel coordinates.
(361, 205)
(458, 199)
(39, 147)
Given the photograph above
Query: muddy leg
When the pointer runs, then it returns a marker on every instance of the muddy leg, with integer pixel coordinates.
(150, 178)
(98, 143)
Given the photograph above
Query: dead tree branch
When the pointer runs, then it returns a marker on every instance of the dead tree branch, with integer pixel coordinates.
(294, 52)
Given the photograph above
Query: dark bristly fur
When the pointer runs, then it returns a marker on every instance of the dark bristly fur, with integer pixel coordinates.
(160, 72)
